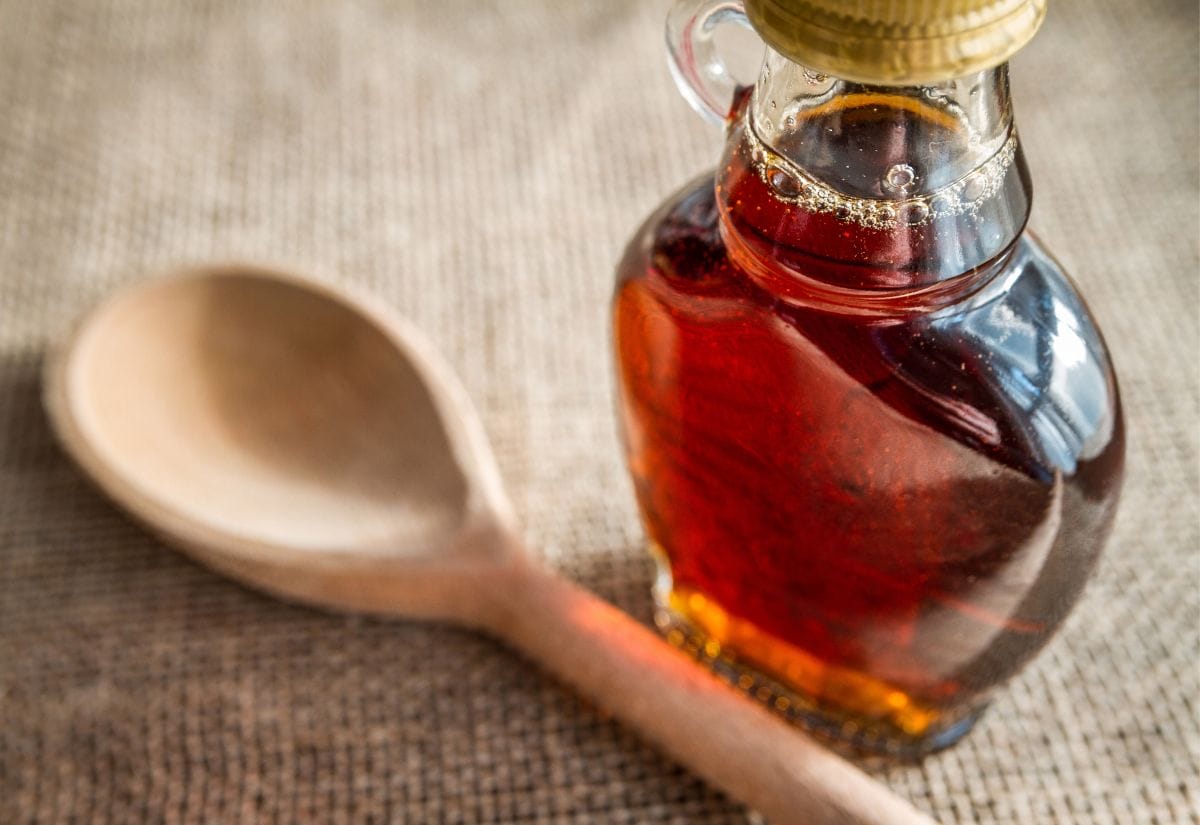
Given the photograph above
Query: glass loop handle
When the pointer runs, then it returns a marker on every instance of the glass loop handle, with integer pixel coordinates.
(701, 75)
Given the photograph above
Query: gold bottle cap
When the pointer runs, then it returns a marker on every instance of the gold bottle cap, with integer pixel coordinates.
(897, 42)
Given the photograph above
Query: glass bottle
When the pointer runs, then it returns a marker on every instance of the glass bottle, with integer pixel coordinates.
(875, 435)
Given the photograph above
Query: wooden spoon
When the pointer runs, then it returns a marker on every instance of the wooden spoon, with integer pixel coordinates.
(306, 443)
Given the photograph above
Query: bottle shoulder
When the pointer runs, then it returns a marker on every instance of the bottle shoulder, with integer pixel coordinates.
(1018, 368)
(1045, 355)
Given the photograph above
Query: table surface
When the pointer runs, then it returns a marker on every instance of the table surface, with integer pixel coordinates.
(479, 166)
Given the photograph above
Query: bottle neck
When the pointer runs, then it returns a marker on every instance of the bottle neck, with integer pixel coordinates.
(855, 187)
(881, 142)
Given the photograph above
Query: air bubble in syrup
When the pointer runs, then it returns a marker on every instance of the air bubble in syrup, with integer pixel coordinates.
(899, 178)
(976, 188)
(914, 213)
(783, 182)
(945, 205)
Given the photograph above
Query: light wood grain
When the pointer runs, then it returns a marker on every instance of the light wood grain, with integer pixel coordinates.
(309, 444)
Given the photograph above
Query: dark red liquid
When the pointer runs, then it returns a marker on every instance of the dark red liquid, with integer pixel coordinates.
(847, 501)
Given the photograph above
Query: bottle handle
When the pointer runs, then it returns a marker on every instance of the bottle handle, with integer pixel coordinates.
(701, 75)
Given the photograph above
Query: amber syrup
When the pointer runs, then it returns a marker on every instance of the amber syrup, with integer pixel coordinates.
(836, 497)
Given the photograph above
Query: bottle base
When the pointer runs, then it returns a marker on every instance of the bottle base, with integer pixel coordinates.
(901, 732)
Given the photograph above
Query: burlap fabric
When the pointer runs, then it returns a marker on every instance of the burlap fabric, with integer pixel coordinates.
(479, 166)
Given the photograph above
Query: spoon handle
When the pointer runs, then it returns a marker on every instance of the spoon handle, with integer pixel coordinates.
(700, 721)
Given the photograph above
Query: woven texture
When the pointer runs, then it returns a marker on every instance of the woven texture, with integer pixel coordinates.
(479, 166)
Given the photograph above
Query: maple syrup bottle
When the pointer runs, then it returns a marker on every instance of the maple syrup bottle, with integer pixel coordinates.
(874, 432)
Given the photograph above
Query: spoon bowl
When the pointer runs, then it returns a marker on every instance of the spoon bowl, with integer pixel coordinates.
(306, 443)
(269, 426)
